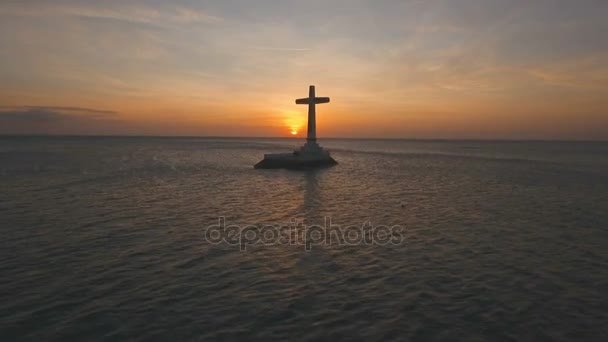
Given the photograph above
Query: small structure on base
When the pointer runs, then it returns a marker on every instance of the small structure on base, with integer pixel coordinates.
(311, 154)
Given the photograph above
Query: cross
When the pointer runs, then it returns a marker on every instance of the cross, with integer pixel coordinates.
(311, 101)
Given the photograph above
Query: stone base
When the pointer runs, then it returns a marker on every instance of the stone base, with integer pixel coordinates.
(311, 155)
(294, 163)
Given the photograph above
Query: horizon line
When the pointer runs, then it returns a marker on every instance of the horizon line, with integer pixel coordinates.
(38, 135)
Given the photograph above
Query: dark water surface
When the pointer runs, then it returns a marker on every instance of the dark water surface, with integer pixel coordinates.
(103, 238)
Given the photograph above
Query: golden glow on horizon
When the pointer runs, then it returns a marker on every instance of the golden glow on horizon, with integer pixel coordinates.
(293, 120)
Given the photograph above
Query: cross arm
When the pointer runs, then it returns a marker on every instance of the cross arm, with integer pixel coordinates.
(315, 100)
(303, 101)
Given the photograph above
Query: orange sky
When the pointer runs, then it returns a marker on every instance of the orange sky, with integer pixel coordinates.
(395, 69)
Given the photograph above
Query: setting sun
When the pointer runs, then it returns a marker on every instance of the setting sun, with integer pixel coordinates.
(293, 121)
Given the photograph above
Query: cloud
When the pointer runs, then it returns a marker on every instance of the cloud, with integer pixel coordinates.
(139, 13)
(51, 111)
(29, 115)
(286, 49)
(41, 119)
(588, 73)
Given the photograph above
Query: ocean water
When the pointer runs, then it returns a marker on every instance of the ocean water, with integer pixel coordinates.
(106, 239)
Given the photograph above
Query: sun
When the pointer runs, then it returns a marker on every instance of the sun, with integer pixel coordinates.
(293, 122)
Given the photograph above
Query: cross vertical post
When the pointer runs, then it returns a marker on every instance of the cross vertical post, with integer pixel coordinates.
(312, 116)
(312, 101)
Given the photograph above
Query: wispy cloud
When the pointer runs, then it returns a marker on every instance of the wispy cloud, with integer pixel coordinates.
(589, 73)
(51, 113)
(52, 119)
(137, 13)
(286, 49)
(75, 110)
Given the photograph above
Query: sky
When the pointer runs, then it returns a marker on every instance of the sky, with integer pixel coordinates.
(466, 69)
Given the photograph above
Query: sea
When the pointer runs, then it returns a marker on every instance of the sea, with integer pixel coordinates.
(161, 238)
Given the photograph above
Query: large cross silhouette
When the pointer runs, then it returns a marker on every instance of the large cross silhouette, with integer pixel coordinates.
(311, 101)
